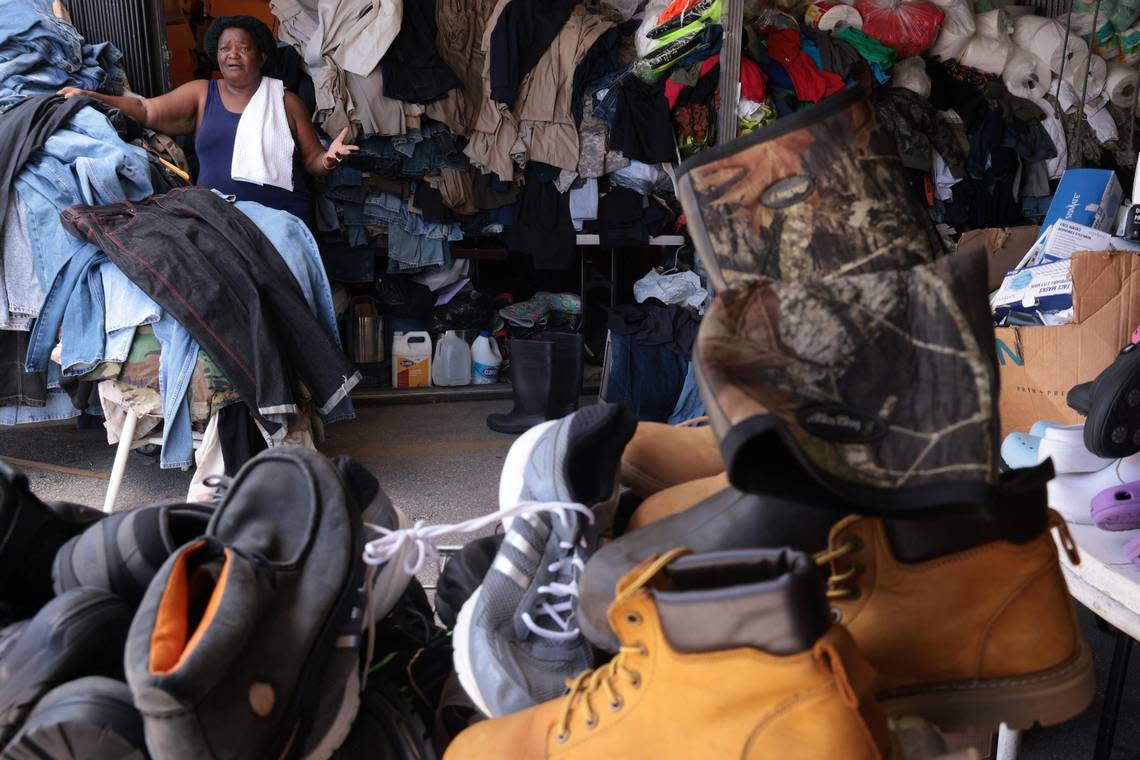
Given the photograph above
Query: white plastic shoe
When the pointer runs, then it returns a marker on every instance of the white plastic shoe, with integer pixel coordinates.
(1071, 494)
(1065, 445)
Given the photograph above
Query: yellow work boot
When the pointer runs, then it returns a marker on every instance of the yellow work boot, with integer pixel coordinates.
(967, 623)
(723, 655)
(676, 499)
(660, 456)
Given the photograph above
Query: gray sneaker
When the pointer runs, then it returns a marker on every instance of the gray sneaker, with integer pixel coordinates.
(517, 639)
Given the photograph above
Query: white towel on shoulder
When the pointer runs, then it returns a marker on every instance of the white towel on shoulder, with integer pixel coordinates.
(263, 145)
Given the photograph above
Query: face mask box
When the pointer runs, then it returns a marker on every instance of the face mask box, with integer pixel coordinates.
(1086, 196)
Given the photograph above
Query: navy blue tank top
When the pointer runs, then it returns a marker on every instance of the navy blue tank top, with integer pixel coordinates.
(215, 147)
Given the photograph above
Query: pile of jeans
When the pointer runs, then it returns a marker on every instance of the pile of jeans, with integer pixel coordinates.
(47, 170)
(40, 53)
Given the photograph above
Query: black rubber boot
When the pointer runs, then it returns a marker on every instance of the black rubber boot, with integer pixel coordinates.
(532, 373)
(566, 384)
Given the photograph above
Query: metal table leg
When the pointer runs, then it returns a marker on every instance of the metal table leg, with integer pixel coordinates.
(119, 469)
(1008, 743)
(1113, 695)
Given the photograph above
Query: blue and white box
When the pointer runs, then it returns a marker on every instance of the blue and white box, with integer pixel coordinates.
(1086, 196)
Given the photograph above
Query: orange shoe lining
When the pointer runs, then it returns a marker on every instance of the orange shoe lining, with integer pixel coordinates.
(172, 640)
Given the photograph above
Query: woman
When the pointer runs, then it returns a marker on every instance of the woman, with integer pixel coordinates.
(212, 109)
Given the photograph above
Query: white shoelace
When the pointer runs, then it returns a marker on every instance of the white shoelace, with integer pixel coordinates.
(414, 546)
(567, 592)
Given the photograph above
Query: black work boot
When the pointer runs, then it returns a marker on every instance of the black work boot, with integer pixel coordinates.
(532, 375)
(248, 641)
(122, 553)
(79, 633)
(730, 519)
(91, 718)
(31, 532)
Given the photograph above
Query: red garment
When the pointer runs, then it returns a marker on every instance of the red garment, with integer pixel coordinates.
(674, 9)
(753, 81)
(811, 84)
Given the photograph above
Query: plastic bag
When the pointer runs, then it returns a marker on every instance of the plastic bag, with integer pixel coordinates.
(958, 27)
(403, 298)
(908, 27)
(467, 310)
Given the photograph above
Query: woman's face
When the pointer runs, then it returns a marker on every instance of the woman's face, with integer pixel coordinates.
(238, 56)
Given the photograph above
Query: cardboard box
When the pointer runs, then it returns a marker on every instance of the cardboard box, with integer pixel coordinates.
(1003, 247)
(1038, 365)
(1086, 196)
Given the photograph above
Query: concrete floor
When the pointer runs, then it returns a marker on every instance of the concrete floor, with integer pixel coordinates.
(440, 463)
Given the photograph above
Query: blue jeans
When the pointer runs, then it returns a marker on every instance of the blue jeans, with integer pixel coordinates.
(297, 247)
(604, 93)
(40, 53)
(689, 403)
(84, 163)
(645, 379)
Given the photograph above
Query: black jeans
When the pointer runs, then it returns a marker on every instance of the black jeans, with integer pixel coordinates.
(211, 268)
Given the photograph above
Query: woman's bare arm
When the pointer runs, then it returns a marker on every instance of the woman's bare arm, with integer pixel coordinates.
(318, 161)
(175, 113)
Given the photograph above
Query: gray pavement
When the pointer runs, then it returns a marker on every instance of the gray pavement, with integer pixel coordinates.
(440, 463)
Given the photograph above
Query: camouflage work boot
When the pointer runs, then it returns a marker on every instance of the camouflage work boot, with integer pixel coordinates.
(881, 387)
(819, 194)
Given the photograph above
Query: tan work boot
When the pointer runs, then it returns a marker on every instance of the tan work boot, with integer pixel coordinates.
(676, 499)
(661, 456)
(724, 655)
(968, 634)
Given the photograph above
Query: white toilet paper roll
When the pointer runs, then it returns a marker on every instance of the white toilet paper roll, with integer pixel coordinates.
(1120, 86)
(988, 54)
(1097, 74)
(827, 16)
(1068, 54)
(1025, 28)
(1045, 38)
(958, 27)
(910, 74)
(995, 23)
(1026, 76)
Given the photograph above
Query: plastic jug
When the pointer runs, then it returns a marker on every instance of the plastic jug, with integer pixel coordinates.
(452, 362)
(485, 360)
(411, 360)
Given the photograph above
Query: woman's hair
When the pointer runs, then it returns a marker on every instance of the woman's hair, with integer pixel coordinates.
(260, 33)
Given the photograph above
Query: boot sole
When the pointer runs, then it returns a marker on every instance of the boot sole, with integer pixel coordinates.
(1112, 426)
(81, 727)
(1041, 699)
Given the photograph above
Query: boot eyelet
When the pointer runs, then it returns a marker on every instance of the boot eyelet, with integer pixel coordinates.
(633, 618)
(642, 649)
(592, 721)
(635, 680)
(856, 544)
(836, 615)
(617, 704)
(563, 737)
